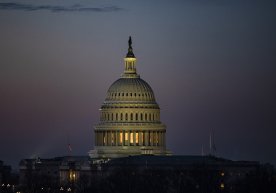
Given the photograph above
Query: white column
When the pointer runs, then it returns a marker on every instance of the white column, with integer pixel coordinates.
(146, 138)
(140, 138)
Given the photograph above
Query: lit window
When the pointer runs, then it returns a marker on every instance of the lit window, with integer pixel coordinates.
(131, 138)
(121, 137)
(126, 136)
(222, 174)
(72, 176)
(137, 138)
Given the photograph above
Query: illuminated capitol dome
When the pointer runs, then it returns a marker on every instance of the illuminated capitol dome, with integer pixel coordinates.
(129, 117)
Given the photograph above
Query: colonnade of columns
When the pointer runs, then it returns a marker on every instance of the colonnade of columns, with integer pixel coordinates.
(130, 138)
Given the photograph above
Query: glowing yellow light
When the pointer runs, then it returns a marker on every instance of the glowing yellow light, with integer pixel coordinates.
(131, 137)
(130, 59)
(126, 136)
(121, 137)
(222, 174)
(222, 185)
(72, 175)
(137, 137)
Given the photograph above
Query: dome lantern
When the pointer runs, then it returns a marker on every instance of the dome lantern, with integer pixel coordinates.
(130, 62)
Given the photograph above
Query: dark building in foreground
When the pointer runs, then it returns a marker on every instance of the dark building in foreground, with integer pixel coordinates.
(145, 173)
(8, 180)
(5, 173)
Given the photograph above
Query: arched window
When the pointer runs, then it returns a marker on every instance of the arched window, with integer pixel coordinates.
(126, 117)
(153, 117)
(122, 94)
(131, 94)
(126, 94)
(121, 116)
(131, 116)
(146, 116)
(135, 94)
(136, 116)
(108, 116)
(112, 117)
(150, 116)
(116, 116)
(141, 117)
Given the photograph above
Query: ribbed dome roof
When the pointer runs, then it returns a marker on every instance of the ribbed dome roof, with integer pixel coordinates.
(130, 89)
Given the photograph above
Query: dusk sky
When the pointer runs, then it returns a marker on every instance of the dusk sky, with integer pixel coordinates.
(211, 64)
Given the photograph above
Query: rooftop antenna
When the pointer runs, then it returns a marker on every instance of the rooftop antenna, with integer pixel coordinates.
(69, 146)
(212, 143)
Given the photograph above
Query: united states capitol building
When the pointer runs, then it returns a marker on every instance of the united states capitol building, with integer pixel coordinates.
(129, 117)
(130, 151)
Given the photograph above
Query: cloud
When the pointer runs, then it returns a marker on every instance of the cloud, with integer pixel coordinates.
(53, 8)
